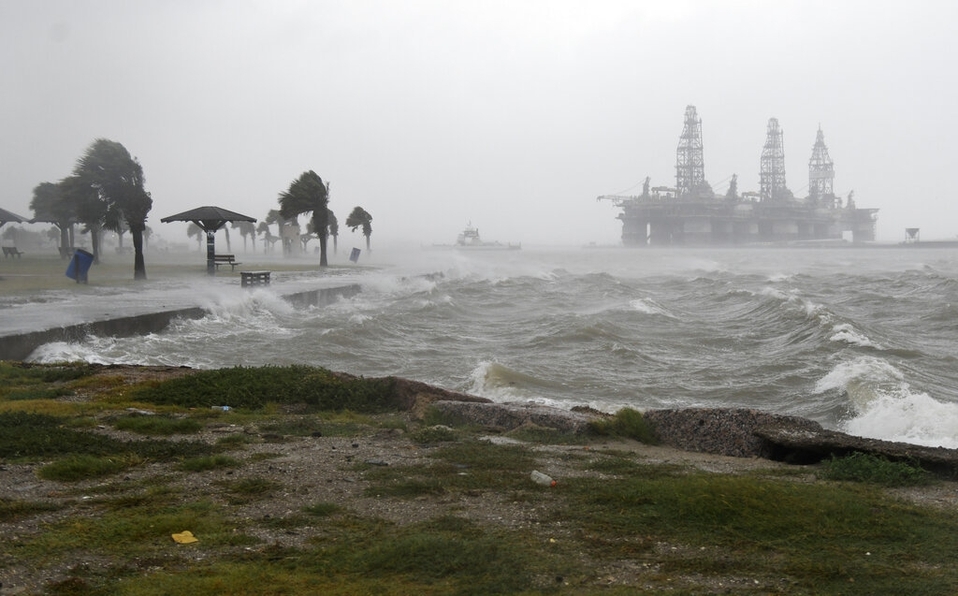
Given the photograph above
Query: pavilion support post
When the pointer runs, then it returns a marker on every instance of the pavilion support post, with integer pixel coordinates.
(210, 252)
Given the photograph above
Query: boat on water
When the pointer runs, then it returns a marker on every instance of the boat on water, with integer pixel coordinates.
(469, 239)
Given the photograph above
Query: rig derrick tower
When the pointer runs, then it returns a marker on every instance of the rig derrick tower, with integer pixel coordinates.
(821, 171)
(772, 172)
(689, 157)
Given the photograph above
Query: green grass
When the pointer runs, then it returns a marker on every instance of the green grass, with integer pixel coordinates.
(817, 536)
(209, 462)
(158, 425)
(861, 467)
(626, 423)
(254, 388)
(13, 509)
(322, 509)
(83, 467)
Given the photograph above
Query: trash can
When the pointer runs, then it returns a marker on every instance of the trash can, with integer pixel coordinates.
(79, 265)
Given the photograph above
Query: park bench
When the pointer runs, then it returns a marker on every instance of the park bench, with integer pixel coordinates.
(11, 251)
(225, 260)
(254, 278)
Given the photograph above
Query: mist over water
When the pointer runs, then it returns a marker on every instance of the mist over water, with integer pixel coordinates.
(860, 340)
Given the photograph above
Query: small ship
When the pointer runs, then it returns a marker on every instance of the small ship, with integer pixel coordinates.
(692, 214)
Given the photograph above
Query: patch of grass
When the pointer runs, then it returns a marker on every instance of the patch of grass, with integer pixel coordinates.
(158, 425)
(817, 535)
(84, 454)
(434, 434)
(249, 489)
(13, 509)
(19, 373)
(135, 531)
(322, 509)
(82, 467)
(233, 441)
(626, 423)
(862, 467)
(209, 462)
(458, 467)
(304, 426)
(37, 393)
(254, 388)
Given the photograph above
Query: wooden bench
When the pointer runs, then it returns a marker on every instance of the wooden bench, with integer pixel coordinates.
(11, 251)
(225, 260)
(254, 278)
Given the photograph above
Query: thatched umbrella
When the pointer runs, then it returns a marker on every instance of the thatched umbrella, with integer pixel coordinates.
(209, 219)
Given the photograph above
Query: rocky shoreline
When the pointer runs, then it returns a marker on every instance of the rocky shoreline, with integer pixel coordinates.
(720, 431)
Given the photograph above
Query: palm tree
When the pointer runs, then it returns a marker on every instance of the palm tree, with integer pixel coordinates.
(359, 217)
(268, 238)
(273, 217)
(307, 194)
(246, 228)
(333, 229)
(49, 205)
(117, 177)
(194, 230)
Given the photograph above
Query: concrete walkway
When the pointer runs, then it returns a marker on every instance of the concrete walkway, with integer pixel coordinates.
(71, 314)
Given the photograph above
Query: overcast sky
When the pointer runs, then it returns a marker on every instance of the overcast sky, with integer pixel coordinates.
(513, 115)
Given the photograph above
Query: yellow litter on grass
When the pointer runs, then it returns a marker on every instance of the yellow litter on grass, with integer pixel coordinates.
(185, 537)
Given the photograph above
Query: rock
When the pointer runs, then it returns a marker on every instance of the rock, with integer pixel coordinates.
(415, 396)
(752, 433)
(802, 446)
(509, 416)
(722, 431)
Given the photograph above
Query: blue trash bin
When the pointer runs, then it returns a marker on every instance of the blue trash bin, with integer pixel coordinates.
(80, 265)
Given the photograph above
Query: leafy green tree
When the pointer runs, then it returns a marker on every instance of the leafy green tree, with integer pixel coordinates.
(90, 209)
(308, 194)
(50, 205)
(117, 179)
(360, 218)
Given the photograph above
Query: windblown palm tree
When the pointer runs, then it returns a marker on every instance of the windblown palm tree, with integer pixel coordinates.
(308, 194)
(360, 218)
(194, 230)
(117, 178)
(333, 229)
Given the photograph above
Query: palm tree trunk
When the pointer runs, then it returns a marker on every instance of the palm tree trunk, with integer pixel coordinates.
(322, 250)
(139, 265)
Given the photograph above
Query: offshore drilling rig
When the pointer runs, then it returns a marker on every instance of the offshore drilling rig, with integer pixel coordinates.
(692, 214)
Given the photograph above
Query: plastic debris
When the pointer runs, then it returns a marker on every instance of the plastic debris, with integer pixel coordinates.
(543, 479)
(185, 537)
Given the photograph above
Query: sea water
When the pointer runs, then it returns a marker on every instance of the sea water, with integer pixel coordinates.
(860, 340)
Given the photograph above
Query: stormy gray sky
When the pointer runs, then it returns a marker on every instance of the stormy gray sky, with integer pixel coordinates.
(513, 114)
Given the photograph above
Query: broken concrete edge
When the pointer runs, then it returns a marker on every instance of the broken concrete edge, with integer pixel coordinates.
(735, 432)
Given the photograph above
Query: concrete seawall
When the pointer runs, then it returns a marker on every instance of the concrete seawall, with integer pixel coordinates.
(20, 346)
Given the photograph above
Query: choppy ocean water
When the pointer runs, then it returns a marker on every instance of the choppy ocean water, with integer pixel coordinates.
(860, 340)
